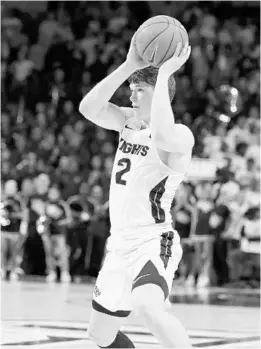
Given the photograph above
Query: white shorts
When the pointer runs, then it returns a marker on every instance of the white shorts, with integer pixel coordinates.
(154, 262)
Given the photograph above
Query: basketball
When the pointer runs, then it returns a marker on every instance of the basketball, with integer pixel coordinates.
(157, 39)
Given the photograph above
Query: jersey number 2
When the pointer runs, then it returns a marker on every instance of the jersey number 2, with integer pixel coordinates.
(126, 163)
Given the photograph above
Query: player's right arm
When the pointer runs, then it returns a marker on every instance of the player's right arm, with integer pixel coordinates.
(95, 106)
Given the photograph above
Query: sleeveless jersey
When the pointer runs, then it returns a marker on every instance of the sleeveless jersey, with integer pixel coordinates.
(142, 188)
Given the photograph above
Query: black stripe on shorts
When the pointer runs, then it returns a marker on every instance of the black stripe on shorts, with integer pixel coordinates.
(119, 313)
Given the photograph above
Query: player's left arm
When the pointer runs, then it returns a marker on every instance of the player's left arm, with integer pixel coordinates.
(165, 133)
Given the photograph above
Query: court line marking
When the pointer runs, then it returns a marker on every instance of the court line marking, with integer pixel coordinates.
(52, 338)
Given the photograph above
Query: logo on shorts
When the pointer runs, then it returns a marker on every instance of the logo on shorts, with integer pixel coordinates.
(96, 291)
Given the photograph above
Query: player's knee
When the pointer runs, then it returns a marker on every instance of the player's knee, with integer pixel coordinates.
(145, 310)
(101, 337)
(94, 336)
(102, 329)
(150, 314)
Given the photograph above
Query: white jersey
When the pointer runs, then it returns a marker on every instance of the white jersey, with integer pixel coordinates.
(142, 188)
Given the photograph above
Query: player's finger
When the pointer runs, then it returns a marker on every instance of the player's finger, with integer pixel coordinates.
(177, 51)
(186, 55)
(188, 52)
(184, 50)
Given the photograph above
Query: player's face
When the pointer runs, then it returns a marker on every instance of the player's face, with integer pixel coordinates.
(141, 98)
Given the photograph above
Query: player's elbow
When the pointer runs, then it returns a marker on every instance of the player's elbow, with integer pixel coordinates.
(87, 110)
(184, 135)
(83, 108)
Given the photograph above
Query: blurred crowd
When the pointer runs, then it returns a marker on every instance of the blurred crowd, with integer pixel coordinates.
(56, 166)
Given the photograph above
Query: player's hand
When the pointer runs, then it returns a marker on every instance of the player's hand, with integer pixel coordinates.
(177, 60)
(133, 58)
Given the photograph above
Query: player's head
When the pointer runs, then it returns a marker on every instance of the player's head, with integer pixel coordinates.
(142, 84)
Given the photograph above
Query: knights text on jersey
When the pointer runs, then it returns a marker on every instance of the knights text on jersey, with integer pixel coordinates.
(142, 186)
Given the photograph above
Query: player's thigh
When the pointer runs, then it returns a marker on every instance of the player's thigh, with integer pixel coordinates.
(111, 302)
(103, 328)
(148, 299)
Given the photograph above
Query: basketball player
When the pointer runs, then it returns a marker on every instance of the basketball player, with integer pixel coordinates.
(152, 158)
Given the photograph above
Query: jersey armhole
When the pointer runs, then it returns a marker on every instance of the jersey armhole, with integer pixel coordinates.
(168, 169)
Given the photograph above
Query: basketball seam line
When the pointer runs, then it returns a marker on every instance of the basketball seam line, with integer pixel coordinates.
(167, 49)
(154, 39)
(179, 25)
(174, 24)
(141, 28)
(184, 30)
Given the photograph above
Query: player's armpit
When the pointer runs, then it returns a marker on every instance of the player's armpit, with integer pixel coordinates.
(178, 140)
(110, 117)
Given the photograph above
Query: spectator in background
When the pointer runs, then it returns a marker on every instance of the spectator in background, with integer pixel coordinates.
(245, 260)
(12, 218)
(239, 158)
(238, 134)
(27, 167)
(47, 29)
(85, 85)
(218, 222)
(78, 235)
(22, 68)
(93, 37)
(253, 150)
(202, 238)
(67, 175)
(57, 218)
(33, 261)
(27, 192)
(214, 144)
(184, 221)
(98, 230)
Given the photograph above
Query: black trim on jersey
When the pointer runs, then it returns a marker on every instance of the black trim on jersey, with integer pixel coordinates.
(119, 313)
(156, 194)
(149, 275)
(166, 243)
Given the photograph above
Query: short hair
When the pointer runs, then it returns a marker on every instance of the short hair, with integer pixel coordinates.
(149, 75)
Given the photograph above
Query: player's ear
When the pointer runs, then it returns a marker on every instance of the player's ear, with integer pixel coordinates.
(152, 88)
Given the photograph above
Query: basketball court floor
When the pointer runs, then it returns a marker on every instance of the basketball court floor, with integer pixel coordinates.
(39, 315)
